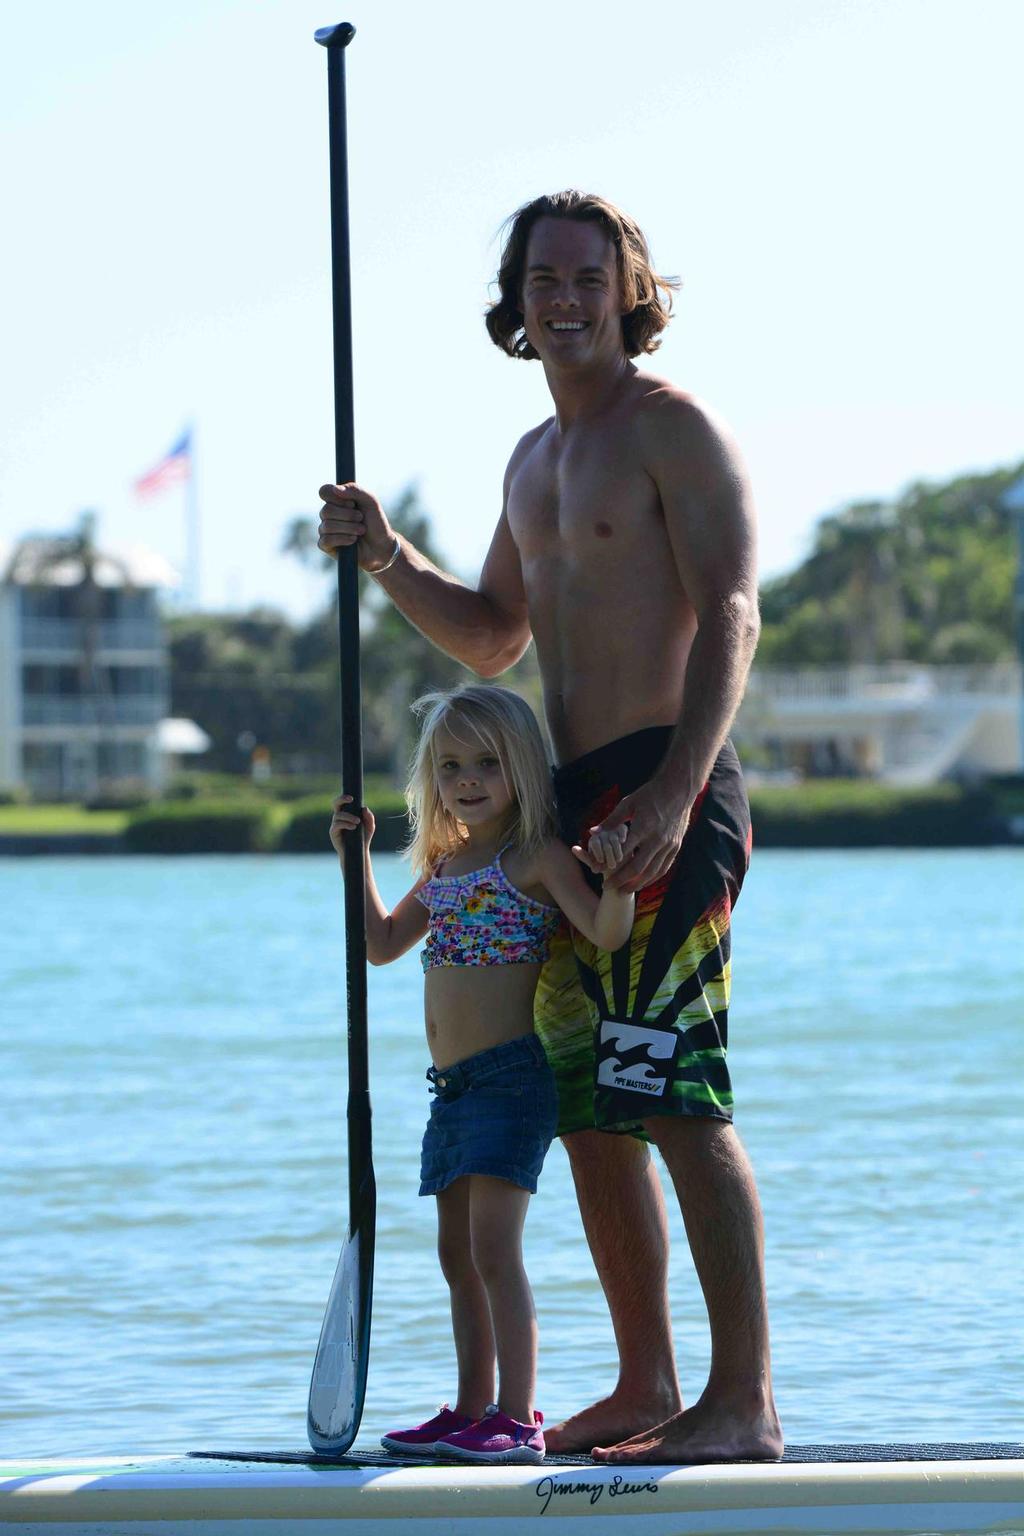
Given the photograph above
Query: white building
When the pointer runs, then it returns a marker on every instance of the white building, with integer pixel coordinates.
(83, 668)
(900, 722)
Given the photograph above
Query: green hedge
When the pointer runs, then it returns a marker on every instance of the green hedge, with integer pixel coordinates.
(290, 787)
(204, 787)
(850, 813)
(210, 826)
(820, 813)
(1007, 791)
(307, 831)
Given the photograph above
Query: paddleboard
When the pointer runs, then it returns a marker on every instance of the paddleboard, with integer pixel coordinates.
(907, 1489)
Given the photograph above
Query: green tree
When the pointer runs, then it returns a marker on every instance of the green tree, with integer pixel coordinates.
(400, 664)
(928, 577)
(256, 674)
(235, 674)
(300, 540)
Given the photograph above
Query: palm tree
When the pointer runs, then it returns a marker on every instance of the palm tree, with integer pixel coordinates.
(299, 539)
(397, 661)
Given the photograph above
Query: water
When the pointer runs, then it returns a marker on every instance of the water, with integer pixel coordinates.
(172, 1155)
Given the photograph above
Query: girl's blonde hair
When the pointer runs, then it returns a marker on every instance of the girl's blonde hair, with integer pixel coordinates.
(506, 726)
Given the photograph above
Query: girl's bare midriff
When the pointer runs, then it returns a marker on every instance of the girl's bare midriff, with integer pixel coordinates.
(470, 1008)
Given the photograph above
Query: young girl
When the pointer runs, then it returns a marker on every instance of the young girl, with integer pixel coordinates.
(493, 881)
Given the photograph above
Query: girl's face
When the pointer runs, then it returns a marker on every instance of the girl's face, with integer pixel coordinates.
(469, 779)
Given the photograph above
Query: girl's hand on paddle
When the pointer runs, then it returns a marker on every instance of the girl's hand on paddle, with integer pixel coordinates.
(350, 514)
(346, 821)
(604, 849)
(655, 828)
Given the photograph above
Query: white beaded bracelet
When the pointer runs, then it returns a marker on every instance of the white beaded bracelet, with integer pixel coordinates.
(378, 570)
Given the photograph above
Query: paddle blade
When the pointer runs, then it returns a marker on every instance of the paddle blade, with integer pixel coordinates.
(338, 1385)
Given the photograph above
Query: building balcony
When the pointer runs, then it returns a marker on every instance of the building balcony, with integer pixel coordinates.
(903, 722)
(50, 635)
(890, 687)
(131, 709)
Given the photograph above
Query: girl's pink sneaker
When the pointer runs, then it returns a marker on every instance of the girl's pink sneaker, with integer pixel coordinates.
(423, 1440)
(496, 1437)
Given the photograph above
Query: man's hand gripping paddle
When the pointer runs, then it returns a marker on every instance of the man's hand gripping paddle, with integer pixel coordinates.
(338, 1386)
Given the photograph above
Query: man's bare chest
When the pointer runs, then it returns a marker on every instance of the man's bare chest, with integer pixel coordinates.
(587, 499)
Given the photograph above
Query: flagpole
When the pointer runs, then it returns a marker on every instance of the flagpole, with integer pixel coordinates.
(176, 465)
(192, 548)
(1013, 501)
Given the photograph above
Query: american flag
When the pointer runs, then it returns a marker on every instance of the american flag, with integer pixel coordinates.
(174, 466)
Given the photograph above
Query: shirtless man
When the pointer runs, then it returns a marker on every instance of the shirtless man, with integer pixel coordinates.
(625, 546)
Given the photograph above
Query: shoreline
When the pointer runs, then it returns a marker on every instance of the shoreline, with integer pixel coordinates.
(817, 813)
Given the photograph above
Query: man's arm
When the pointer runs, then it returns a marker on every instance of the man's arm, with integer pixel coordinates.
(709, 518)
(486, 630)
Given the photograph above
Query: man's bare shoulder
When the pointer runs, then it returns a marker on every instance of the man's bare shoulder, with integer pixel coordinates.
(526, 445)
(667, 412)
(677, 429)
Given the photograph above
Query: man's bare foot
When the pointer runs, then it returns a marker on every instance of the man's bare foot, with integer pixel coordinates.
(698, 1435)
(612, 1420)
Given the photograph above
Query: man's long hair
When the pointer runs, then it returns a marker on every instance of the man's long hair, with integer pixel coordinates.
(646, 297)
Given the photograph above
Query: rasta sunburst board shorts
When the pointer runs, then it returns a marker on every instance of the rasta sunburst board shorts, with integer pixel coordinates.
(643, 1032)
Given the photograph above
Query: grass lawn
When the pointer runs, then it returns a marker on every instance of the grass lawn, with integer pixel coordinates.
(76, 821)
(52, 820)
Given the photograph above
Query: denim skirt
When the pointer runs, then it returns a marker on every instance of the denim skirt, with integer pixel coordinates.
(493, 1113)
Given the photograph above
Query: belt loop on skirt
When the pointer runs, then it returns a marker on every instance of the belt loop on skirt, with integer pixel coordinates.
(447, 1082)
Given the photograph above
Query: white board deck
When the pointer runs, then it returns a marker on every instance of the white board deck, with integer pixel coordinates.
(168, 1495)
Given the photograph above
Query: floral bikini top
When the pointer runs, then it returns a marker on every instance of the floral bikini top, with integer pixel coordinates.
(482, 919)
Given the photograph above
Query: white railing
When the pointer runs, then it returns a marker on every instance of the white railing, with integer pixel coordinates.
(141, 709)
(66, 635)
(904, 682)
(1001, 679)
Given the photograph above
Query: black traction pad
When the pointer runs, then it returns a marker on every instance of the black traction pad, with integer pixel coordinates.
(971, 1450)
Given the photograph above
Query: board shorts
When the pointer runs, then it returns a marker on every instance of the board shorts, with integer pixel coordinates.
(643, 1032)
(494, 1113)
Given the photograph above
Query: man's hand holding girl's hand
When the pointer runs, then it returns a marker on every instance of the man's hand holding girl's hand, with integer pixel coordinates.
(349, 514)
(346, 821)
(654, 827)
(603, 852)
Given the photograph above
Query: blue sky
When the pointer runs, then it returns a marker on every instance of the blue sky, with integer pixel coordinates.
(837, 184)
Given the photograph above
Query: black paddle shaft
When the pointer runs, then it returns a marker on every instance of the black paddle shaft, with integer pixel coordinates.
(336, 40)
(338, 1386)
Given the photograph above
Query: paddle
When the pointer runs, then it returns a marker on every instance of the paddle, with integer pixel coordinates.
(338, 1386)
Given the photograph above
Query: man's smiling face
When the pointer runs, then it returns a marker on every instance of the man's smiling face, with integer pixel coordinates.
(571, 299)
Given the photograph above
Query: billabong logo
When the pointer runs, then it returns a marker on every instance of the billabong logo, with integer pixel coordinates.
(636, 1058)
